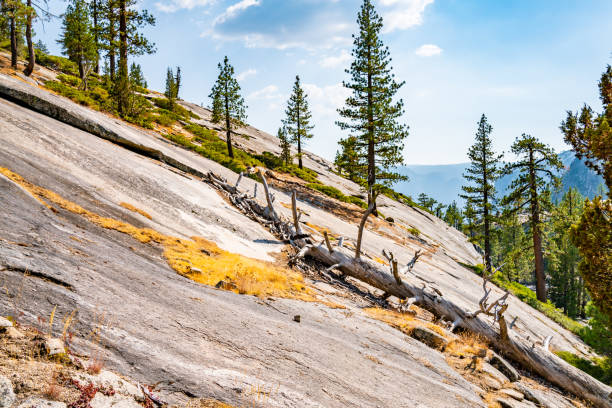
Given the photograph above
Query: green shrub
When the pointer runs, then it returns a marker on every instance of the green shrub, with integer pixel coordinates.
(214, 148)
(599, 368)
(57, 63)
(80, 97)
(309, 176)
(596, 333)
(177, 109)
(414, 231)
(270, 160)
(337, 194)
(69, 80)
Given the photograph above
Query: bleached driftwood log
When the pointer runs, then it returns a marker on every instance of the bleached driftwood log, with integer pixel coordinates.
(530, 356)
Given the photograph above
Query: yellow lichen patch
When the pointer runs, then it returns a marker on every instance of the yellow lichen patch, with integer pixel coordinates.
(402, 321)
(198, 258)
(136, 210)
(381, 261)
(204, 262)
(318, 228)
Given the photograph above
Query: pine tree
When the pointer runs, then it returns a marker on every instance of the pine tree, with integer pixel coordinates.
(77, 39)
(470, 226)
(566, 288)
(370, 111)
(298, 118)
(14, 11)
(228, 106)
(591, 138)
(95, 11)
(131, 42)
(348, 161)
(529, 192)
(285, 145)
(480, 190)
(512, 248)
(30, 16)
(453, 216)
(170, 88)
(177, 81)
(136, 76)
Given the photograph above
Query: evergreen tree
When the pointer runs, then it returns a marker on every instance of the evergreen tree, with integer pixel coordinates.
(40, 46)
(348, 161)
(285, 146)
(136, 76)
(131, 42)
(480, 190)
(95, 11)
(426, 202)
(177, 81)
(453, 216)
(470, 216)
(566, 289)
(30, 15)
(228, 106)
(370, 111)
(14, 11)
(529, 193)
(77, 39)
(298, 118)
(512, 248)
(170, 88)
(591, 138)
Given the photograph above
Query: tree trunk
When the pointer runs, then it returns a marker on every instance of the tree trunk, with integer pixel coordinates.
(13, 40)
(537, 236)
(32, 56)
(228, 125)
(123, 58)
(532, 357)
(82, 74)
(111, 40)
(298, 126)
(96, 38)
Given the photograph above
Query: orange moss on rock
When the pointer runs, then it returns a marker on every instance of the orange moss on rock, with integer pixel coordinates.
(130, 207)
(197, 258)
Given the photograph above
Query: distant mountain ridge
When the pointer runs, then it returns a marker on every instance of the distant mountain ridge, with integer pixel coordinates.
(443, 182)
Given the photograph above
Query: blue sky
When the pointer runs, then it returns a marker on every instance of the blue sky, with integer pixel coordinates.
(522, 63)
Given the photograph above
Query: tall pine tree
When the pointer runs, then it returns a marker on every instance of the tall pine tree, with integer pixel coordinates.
(370, 112)
(228, 106)
(530, 193)
(480, 190)
(77, 38)
(298, 118)
(131, 42)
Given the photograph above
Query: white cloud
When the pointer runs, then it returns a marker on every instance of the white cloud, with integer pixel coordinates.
(245, 74)
(403, 14)
(337, 60)
(175, 5)
(269, 92)
(324, 101)
(234, 10)
(428, 50)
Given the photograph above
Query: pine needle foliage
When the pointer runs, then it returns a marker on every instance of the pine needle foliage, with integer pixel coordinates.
(77, 39)
(228, 107)
(538, 165)
(480, 189)
(590, 135)
(371, 113)
(298, 117)
(285, 145)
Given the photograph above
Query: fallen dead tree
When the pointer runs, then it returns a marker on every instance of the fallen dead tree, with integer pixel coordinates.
(399, 282)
